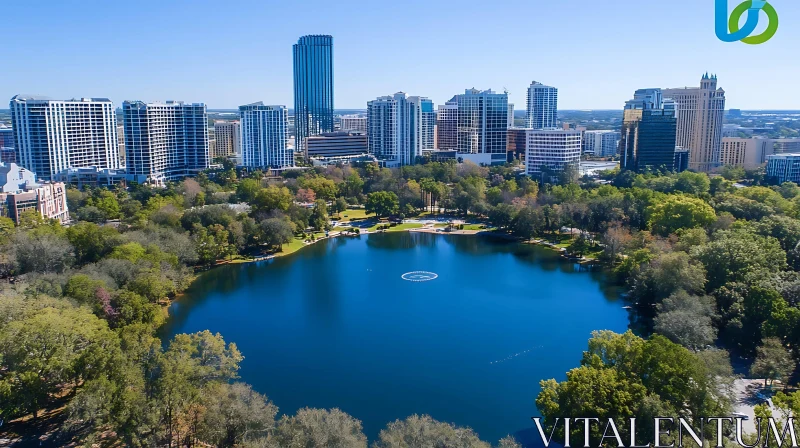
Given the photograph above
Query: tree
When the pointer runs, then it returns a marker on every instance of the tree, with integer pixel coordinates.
(735, 255)
(42, 253)
(276, 232)
(615, 239)
(339, 206)
(692, 183)
(382, 203)
(679, 212)
(773, 361)
(319, 215)
(213, 243)
(663, 276)
(686, 320)
(580, 246)
(733, 173)
(423, 431)
(235, 414)
(247, 190)
(319, 428)
(92, 242)
(273, 198)
(322, 187)
(306, 195)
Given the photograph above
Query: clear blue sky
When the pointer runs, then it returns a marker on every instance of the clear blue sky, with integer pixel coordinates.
(227, 53)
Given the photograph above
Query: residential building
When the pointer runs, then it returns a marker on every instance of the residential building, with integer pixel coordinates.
(212, 144)
(400, 128)
(784, 167)
(601, 143)
(700, 112)
(96, 177)
(51, 136)
(447, 125)
(14, 178)
(510, 115)
(265, 136)
(748, 153)
(19, 192)
(542, 111)
(227, 135)
(7, 152)
(313, 86)
(165, 141)
(549, 152)
(335, 145)
(482, 126)
(648, 133)
(356, 123)
(121, 144)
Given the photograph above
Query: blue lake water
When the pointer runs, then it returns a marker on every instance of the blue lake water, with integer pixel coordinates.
(335, 325)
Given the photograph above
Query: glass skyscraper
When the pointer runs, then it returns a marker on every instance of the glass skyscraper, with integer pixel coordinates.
(482, 126)
(648, 132)
(542, 110)
(313, 87)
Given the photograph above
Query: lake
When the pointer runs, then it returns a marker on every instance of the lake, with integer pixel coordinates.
(336, 325)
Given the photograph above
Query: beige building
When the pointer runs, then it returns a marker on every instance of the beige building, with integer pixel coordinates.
(700, 114)
(226, 134)
(749, 153)
(787, 145)
(19, 193)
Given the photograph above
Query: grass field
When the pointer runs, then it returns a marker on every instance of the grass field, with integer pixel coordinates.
(397, 228)
(354, 215)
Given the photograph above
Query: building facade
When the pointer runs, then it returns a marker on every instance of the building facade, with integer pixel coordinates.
(313, 86)
(19, 192)
(355, 123)
(51, 136)
(784, 167)
(549, 152)
(333, 145)
(400, 128)
(516, 143)
(601, 143)
(227, 134)
(482, 126)
(748, 153)
(265, 136)
(7, 152)
(700, 113)
(649, 128)
(447, 126)
(786, 145)
(542, 106)
(165, 141)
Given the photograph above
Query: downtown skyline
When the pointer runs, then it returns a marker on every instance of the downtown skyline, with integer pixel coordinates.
(366, 54)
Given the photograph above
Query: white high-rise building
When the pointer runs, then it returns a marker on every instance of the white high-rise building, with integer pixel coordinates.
(227, 136)
(52, 136)
(165, 141)
(265, 136)
(400, 128)
(601, 143)
(353, 123)
(542, 110)
(700, 112)
(549, 152)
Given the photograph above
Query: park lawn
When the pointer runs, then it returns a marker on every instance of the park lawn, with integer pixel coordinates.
(397, 228)
(474, 227)
(353, 215)
(294, 246)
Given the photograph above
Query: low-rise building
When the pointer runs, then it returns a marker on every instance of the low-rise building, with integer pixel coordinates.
(784, 167)
(550, 152)
(342, 144)
(749, 153)
(96, 177)
(19, 193)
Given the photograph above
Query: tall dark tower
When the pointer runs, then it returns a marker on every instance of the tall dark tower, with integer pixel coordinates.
(313, 87)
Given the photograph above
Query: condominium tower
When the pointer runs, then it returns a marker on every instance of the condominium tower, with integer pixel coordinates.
(482, 126)
(165, 141)
(601, 143)
(353, 123)
(313, 86)
(542, 110)
(700, 112)
(548, 153)
(447, 126)
(227, 136)
(51, 136)
(265, 136)
(400, 128)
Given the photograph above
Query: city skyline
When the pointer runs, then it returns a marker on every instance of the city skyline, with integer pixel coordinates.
(366, 68)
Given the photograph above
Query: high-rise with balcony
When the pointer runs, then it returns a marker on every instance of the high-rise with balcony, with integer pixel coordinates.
(601, 143)
(227, 136)
(551, 152)
(400, 128)
(447, 126)
(313, 86)
(51, 136)
(356, 123)
(265, 136)
(482, 126)
(165, 141)
(542, 110)
(648, 135)
(700, 111)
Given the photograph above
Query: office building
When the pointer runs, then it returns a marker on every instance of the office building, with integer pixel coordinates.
(447, 126)
(748, 153)
(549, 152)
(51, 136)
(786, 145)
(542, 111)
(700, 112)
(7, 152)
(516, 142)
(120, 145)
(510, 115)
(601, 143)
(784, 168)
(165, 141)
(265, 136)
(227, 135)
(19, 192)
(681, 160)
(482, 126)
(336, 145)
(353, 123)
(400, 128)
(648, 133)
(313, 86)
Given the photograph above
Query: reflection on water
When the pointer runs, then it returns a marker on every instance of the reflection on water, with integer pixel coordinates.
(335, 325)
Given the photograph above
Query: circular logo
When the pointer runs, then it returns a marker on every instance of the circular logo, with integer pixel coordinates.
(419, 276)
(772, 27)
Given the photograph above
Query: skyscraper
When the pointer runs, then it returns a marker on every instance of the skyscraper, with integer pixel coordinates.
(542, 111)
(601, 143)
(265, 136)
(400, 127)
(482, 126)
(313, 87)
(648, 132)
(700, 111)
(165, 141)
(549, 152)
(227, 135)
(51, 136)
(447, 125)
